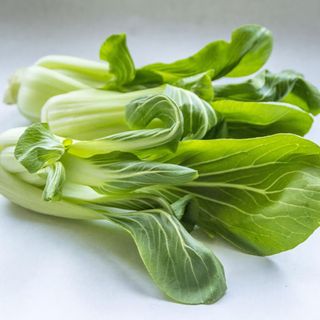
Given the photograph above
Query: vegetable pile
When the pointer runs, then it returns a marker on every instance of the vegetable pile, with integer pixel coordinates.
(163, 149)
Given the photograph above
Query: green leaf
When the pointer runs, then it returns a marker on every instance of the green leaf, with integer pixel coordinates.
(288, 86)
(248, 50)
(198, 115)
(37, 148)
(115, 51)
(186, 210)
(304, 95)
(254, 119)
(54, 182)
(183, 268)
(200, 84)
(262, 194)
(119, 172)
(139, 113)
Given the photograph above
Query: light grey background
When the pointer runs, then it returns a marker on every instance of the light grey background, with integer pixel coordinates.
(60, 269)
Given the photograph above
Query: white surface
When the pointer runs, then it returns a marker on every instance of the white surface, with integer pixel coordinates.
(60, 269)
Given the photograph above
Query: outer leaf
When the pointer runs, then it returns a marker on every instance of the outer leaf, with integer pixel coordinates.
(181, 266)
(115, 51)
(287, 85)
(260, 194)
(247, 52)
(254, 119)
(38, 147)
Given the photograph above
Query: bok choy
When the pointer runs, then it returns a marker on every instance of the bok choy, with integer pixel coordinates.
(163, 149)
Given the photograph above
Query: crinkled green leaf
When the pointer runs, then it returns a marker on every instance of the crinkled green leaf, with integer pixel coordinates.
(253, 119)
(200, 84)
(248, 50)
(115, 51)
(54, 183)
(139, 114)
(38, 147)
(288, 86)
(198, 115)
(305, 95)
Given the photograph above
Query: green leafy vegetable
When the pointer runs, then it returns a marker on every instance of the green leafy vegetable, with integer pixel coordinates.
(114, 50)
(200, 84)
(288, 86)
(181, 266)
(248, 50)
(139, 115)
(38, 147)
(198, 115)
(262, 194)
(254, 119)
(160, 150)
(186, 209)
